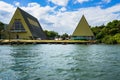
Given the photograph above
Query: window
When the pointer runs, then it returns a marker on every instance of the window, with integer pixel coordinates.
(17, 26)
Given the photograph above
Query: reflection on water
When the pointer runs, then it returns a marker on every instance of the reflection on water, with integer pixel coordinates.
(60, 62)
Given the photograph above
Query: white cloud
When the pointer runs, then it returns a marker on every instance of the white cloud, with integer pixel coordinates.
(16, 4)
(33, 5)
(60, 2)
(106, 1)
(81, 1)
(6, 11)
(62, 21)
(63, 9)
(99, 16)
(36, 10)
(67, 21)
(6, 7)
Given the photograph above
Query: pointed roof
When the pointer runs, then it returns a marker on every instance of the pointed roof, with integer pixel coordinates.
(32, 23)
(83, 28)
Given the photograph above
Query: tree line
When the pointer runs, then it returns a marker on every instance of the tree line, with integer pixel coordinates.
(109, 34)
(53, 35)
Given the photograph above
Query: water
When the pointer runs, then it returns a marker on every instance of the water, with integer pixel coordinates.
(60, 62)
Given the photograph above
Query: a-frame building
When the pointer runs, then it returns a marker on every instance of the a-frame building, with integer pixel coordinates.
(24, 26)
(83, 31)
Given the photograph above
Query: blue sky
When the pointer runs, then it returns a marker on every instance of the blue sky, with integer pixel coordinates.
(71, 4)
(63, 15)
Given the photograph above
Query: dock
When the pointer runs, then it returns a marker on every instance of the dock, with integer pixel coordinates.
(2, 42)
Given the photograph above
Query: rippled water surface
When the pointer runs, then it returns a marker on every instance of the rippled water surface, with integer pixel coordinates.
(60, 62)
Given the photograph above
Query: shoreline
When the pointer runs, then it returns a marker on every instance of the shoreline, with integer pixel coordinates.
(2, 42)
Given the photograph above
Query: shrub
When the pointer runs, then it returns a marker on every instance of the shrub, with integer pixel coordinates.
(109, 40)
(117, 38)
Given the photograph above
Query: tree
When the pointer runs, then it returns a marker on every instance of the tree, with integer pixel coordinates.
(109, 34)
(109, 40)
(97, 29)
(51, 34)
(64, 36)
(117, 38)
(1, 28)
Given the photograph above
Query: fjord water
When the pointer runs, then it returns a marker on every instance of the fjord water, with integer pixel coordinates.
(59, 62)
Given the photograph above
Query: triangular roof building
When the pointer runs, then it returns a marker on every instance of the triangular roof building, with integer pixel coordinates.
(83, 31)
(25, 26)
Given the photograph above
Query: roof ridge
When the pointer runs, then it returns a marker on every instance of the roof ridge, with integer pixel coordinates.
(26, 12)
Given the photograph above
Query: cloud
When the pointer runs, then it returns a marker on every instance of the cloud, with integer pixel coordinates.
(6, 11)
(60, 2)
(68, 20)
(81, 1)
(16, 3)
(34, 4)
(106, 1)
(99, 16)
(62, 20)
(6, 7)
(63, 9)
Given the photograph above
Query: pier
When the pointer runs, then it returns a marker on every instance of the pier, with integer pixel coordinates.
(2, 42)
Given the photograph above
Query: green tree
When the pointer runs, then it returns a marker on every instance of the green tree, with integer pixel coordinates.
(109, 34)
(97, 29)
(51, 34)
(117, 38)
(64, 36)
(113, 31)
(109, 40)
(112, 24)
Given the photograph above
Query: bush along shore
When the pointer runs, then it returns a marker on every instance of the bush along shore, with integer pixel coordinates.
(108, 34)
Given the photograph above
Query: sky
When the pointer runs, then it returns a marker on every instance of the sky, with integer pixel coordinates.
(63, 16)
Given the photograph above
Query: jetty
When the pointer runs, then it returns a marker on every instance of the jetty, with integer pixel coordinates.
(2, 42)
